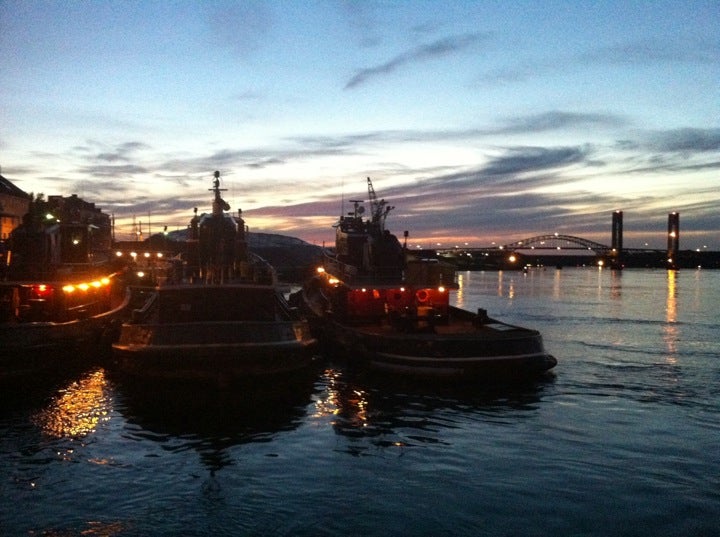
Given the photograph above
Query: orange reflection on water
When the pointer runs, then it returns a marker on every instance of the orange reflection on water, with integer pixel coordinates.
(328, 405)
(671, 307)
(460, 294)
(78, 408)
(342, 401)
(670, 330)
(501, 286)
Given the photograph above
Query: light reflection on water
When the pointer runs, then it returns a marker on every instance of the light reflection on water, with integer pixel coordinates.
(78, 408)
(671, 331)
(621, 440)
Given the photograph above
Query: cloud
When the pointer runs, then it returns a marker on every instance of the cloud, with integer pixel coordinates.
(362, 20)
(686, 140)
(242, 27)
(309, 147)
(638, 53)
(674, 150)
(247, 96)
(524, 160)
(554, 120)
(436, 49)
(655, 51)
(498, 198)
(557, 120)
(122, 152)
(113, 170)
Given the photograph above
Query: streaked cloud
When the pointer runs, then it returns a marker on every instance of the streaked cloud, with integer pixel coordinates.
(523, 160)
(686, 140)
(635, 53)
(113, 170)
(557, 119)
(436, 49)
(655, 51)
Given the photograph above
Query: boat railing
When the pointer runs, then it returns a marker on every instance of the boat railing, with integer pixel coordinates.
(220, 332)
(287, 310)
(343, 270)
(139, 314)
(264, 272)
(351, 273)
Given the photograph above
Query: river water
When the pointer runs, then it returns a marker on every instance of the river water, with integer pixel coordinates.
(623, 438)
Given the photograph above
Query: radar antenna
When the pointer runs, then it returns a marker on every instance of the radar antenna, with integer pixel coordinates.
(218, 203)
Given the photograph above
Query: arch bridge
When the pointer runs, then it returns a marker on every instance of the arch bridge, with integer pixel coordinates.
(555, 241)
(550, 248)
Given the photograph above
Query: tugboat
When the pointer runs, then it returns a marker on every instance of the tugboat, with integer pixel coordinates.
(220, 318)
(389, 309)
(59, 295)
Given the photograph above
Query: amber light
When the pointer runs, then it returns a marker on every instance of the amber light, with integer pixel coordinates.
(84, 286)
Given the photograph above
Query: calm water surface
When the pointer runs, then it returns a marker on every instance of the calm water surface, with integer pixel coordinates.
(624, 438)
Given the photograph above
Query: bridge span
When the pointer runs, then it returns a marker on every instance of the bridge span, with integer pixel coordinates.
(556, 242)
(568, 250)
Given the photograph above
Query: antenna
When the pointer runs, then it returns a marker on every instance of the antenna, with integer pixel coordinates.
(342, 198)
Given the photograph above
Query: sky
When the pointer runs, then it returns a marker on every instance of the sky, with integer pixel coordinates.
(481, 122)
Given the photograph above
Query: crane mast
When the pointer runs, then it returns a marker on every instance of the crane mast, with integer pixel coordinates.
(379, 209)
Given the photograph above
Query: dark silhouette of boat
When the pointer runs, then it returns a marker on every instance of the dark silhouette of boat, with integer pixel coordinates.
(60, 294)
(388, 309)
(218, 315)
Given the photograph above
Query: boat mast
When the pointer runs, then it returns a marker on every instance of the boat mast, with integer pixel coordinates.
(219, 204)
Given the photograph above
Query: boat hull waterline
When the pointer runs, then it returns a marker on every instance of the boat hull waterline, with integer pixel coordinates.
(493, 350)
(224, 350)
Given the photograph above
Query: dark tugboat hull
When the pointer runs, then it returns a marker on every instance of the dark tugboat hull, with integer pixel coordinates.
(32, 348)
(227, 349)
(489, 368)
(474, 355)
(465, 346)
(222, 350)
(215, 362)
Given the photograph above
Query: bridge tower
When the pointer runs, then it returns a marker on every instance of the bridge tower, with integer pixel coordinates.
(673, 244)
(616, 252)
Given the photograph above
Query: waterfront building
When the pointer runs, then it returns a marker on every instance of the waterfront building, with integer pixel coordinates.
(14, 204)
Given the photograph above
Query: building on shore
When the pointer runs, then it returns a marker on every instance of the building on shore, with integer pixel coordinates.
(14, 205)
